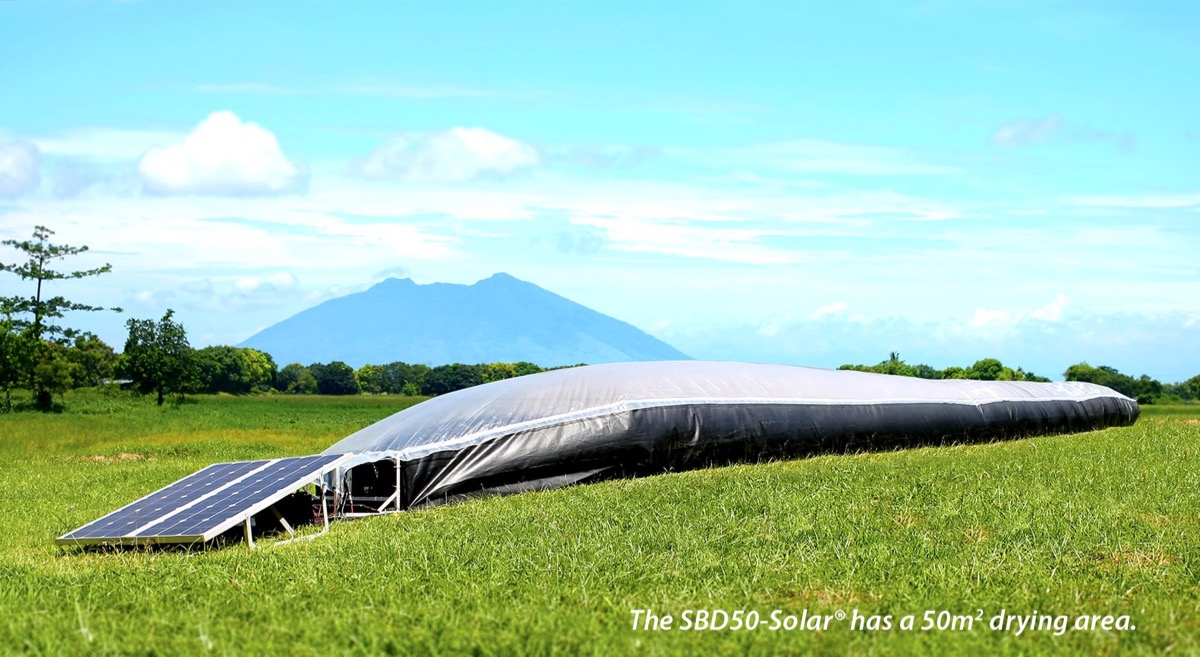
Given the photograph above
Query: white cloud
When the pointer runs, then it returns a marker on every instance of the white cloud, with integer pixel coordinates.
(454, 155)
(1053, 311)
(773, 326)
(222, 156)
(107, 144)
(1137, 201)
(1006, 320)
(274, 284)
(1025, 131)
(19, 165)
(738, 245)
(991, 319)
(831, 309)
(817, 156)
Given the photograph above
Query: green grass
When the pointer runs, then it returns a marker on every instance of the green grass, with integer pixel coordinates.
(1099, 523)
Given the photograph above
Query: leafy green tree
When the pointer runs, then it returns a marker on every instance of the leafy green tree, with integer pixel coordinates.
(16, 357)
(396, 378)
(94, 358)
(336, 378)
(498, 372)
(54, 372)
(987, 369)
(306, 383)
(289, 377)
(296, 379)
(158, 357)
(523, 367)
(370, 379)
(1030, 376)
(235, 370)
(40, 313)
(221, 368)
(1191, 388)
(924, 371)
(1148, 390)
(411, 389)
(893, 365)
(260, 367)
(448, 378)
(1145, 390)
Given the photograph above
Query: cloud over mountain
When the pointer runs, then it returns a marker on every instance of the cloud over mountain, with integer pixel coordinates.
(455, 155)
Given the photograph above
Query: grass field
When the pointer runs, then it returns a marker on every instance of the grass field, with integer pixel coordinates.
(1103, 523)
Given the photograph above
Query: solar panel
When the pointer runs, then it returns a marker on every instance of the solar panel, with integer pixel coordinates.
(231, 505)
(127, 519)
(203, 505)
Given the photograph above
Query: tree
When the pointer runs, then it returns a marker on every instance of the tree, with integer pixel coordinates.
(296, 379)
(370, 379)
(260, 369)
(54, 372)
(288, 377)
(399, 377)
(158, 357)
(39, 314)
(306, 384)
(924, 371)
(988, 369)
(235, 370)
(94, 359)
(448, 378)
(220, 369)
(1030, 376)
(523, 367)
(498, 371)
(1145, 390)
(1191, 388)
(1148, 390)
(953, 372)
(336, 378)
(16, 356)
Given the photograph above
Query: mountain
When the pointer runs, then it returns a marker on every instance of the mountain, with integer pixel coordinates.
(498, 319)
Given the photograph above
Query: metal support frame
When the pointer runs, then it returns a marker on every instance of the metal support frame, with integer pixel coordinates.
(282, 521)
(393, 499)
(324, 528)
(399, 481)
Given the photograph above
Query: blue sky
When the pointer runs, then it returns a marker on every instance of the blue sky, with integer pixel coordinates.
(809, 183)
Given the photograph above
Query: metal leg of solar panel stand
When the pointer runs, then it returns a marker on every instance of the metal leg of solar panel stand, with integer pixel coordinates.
(282, 521)
(324, 530)
(249, 534)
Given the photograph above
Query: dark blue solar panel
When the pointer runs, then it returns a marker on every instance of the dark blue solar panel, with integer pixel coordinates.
(163, 502)
(231, 504)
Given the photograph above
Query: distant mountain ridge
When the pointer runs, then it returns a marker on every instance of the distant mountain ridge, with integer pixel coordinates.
(498, 319)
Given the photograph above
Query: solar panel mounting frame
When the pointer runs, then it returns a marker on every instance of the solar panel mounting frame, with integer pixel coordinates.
(242, 516)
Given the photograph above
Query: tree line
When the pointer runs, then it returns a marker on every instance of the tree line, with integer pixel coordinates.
(1144, 389)
(158, 361)
(398, 378)
(38, 353)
